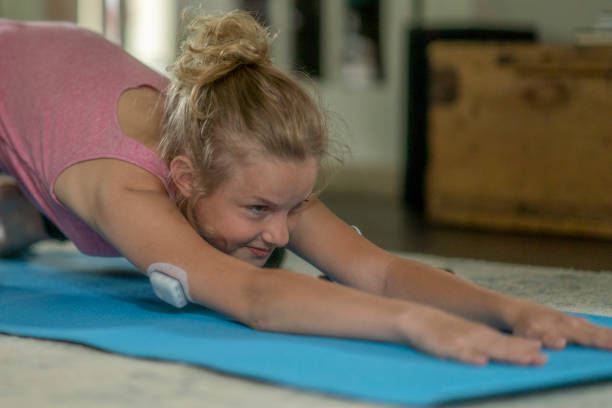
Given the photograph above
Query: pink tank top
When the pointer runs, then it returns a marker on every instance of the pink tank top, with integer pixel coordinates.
(59, 88)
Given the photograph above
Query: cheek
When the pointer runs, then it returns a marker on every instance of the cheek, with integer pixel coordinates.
(292, 222)
(228, 233)
(210, 225)
(223, 226)
(239, 232)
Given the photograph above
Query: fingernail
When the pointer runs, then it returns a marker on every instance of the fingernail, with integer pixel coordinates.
(541, 359)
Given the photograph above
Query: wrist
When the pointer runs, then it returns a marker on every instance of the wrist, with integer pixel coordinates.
(511, 310)
(409, 321)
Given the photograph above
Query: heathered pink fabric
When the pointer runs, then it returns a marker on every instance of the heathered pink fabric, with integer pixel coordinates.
(59, 87)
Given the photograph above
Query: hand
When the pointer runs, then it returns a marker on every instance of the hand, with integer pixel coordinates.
(556, 329)
(444, 335)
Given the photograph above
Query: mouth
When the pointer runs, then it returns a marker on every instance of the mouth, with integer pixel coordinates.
(259, 253)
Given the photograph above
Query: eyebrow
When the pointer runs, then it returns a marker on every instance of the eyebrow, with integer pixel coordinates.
(272, 203)
(265, 201)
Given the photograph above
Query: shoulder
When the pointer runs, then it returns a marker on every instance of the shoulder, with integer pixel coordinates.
(105, 174)
(87, 188)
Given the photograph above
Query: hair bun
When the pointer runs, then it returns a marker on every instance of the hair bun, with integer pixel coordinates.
(217, 45)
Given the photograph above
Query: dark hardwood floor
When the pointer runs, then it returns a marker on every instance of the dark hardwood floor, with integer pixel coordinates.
(387, 223)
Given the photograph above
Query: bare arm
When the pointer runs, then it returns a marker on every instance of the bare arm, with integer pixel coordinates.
(352, 260)
(136, 216)
(408, 279)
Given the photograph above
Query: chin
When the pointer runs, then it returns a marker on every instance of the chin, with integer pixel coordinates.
(257, 262)
(246, 256)
(251, 260)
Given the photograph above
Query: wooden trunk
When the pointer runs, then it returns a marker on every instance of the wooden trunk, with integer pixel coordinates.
(520, 137)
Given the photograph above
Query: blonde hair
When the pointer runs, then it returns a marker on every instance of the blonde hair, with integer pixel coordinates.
(227, 100)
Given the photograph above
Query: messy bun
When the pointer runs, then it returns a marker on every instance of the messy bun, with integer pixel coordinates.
(217, 45)
(227, 102)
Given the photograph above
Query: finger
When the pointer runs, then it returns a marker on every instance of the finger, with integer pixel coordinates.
(519, 351)
(464, 353)
(550, 338)
(463, 350)
(591, 335)
(554, 341)
(472, 357)
(532, 331)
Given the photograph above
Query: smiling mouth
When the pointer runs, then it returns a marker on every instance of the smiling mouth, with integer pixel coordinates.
(260, 253)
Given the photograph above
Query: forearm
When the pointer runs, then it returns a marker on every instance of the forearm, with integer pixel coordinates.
(284, 301)
(415, 281)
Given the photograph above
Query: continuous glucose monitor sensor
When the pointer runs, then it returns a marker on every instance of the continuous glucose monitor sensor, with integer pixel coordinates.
(169, 283)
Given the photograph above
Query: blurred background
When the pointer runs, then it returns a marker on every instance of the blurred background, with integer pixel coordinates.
(369, 59)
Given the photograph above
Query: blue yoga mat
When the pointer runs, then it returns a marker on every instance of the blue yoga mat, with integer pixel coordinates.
(103, 303)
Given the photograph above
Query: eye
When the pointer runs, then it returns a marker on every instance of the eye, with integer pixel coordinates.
(258, 209)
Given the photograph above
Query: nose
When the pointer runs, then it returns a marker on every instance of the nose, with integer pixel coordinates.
(276, 231)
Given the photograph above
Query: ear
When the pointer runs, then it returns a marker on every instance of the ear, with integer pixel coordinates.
(183, 175)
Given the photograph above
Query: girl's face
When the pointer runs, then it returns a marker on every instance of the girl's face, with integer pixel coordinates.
(254, 211)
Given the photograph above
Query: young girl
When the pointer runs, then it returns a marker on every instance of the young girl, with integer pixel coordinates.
(209, 173)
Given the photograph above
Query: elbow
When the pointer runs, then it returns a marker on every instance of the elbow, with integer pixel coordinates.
(256, 323)
(271, 298)
(258, 318)
(258, 302)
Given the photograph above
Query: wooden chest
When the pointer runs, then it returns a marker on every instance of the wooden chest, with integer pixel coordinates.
(520, 137)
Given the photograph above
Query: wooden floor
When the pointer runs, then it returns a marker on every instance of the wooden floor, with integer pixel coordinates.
(387, 223)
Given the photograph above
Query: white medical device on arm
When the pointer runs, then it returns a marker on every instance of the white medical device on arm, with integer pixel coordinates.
(169, 283)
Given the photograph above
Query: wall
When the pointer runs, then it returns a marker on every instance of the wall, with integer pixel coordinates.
(38, 9)
(373, 118)
(556, 20)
